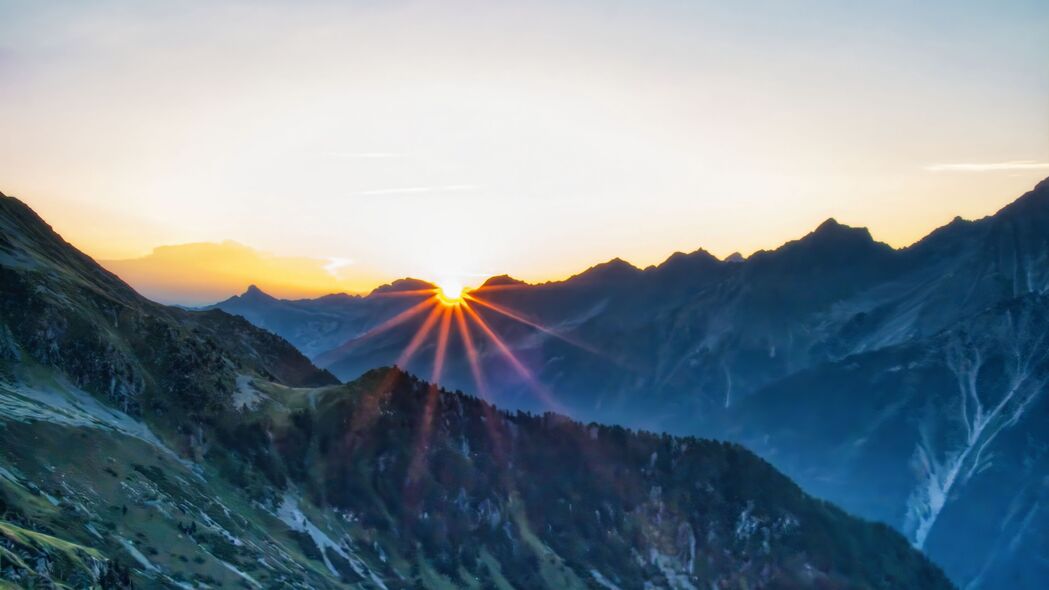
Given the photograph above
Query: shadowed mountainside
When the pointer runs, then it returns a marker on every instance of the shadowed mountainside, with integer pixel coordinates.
(703, 346)
(147, 446)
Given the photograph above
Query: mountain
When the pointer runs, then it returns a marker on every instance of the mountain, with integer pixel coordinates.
(943, 437)
(943, 406)
(556, 503)
(148, 446)
(641, 326)
(316, 326)
(700, 346)
(61, 308)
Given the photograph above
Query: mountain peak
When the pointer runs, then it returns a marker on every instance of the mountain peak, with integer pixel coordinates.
(829, 225)
(400, 285)
(830, 243)
(617, 264)
(681, 265)
(831, 229)
(617, 268)
(613, 270)
(254, 293)
(699, 254)
(1034, 202)
(502, 280)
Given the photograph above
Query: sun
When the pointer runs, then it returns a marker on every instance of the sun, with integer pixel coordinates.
(451, 292)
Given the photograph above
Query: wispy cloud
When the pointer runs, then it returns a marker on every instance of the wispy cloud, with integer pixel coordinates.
(362, 155)
(336, 263)
(418, 189)
(1011, 165)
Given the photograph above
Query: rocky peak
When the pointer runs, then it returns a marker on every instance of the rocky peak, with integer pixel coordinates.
(401, 285)
(615, 269)
(253, 293)
(502, 280)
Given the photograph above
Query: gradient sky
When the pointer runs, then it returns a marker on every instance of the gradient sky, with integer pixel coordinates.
(531, 138)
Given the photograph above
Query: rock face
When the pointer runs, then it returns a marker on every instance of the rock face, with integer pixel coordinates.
(934, 420)
(943, 437)
(702, 346)
(147, 446)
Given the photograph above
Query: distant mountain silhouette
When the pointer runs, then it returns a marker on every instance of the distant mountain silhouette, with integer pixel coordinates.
(698, 345)
(403, 285)
(502, 280)
(199, 273)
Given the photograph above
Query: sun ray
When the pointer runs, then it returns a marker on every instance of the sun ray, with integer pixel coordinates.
(471, 351)
(419, 337)
(519, 367)
(368, 408)
(370, 401)
(433, 391)
(442, 345)
(407, 293)
(521, 319)
(492, 418)
(399, 318)
(332, 356)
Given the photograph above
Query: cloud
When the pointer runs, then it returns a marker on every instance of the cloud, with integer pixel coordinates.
(1011, 165)
(205, 272)
(362, 155)
(336, 263)
(417, 189)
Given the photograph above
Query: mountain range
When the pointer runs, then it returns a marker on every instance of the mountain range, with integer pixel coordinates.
(907, 385)
(150, 446)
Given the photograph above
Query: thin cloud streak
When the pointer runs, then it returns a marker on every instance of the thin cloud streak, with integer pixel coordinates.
(336, 263)
(362, 155)
(990, 166)
(417, 190)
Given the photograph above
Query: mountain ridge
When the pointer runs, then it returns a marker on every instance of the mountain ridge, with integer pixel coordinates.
(829, 230)
(214, 466)
(681, 351)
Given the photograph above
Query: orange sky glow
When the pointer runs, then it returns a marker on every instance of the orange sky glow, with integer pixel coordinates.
(197, 148)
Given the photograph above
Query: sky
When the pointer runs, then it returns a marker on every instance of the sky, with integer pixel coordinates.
(318, 146)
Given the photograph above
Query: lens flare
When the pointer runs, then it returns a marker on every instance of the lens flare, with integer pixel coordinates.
(451, 292)
(452, 308)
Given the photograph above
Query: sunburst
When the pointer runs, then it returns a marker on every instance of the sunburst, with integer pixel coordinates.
(451, 307)
(451, 292)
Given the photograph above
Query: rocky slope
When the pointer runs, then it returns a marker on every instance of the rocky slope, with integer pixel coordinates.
(943, 437)
(146, 446)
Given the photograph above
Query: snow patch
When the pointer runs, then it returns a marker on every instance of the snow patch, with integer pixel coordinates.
(603, 581)
(246, 396)
(137, 555)
(237, 571)
(290, 514)
(68, 405)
